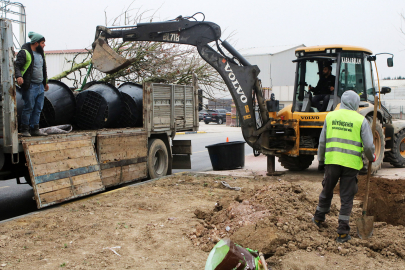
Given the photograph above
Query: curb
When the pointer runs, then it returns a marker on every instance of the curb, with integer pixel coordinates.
(189, 132)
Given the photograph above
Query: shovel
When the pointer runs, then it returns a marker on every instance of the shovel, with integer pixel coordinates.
(365, 224)
(106, 59)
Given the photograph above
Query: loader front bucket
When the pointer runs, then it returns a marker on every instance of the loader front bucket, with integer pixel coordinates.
(106, 59)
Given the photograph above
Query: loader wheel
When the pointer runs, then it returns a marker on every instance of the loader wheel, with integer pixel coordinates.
(397, 154)
(379, 143)
(299, 163)
(158, 159)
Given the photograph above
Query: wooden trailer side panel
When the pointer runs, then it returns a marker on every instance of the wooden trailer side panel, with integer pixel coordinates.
(62, 169)
(122, 157)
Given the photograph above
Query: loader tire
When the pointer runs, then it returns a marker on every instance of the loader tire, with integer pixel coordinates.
(397, 154)
(158, 159)
(379, 143)
(299, 163)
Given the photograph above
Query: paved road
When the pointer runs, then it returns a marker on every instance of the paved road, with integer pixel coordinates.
(17, 200)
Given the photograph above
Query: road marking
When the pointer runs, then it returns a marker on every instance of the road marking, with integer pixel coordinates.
(199, 151)
(4, 187)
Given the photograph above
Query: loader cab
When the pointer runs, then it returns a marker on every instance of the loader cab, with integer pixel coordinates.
(350, 66)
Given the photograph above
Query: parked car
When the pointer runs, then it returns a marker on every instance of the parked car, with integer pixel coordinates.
(201, 115)
(217, 116)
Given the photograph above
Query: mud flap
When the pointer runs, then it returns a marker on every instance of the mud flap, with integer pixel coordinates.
(62, 169)
(181, 150)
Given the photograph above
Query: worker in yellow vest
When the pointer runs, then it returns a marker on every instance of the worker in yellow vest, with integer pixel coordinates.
(346, 134)
(30, 73)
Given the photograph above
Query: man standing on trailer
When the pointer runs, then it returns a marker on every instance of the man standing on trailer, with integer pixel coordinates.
(30, 72)
(345, 135)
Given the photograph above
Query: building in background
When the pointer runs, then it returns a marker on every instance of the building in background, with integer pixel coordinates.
(222, 103)
(61, 60)
(277, 71)
(394, 101)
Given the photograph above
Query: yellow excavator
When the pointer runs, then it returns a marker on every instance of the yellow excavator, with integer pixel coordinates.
(291, 134)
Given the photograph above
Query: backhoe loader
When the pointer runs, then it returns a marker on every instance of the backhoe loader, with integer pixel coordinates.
(292, 133)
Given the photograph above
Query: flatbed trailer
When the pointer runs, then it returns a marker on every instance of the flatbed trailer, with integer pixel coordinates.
(67, 166)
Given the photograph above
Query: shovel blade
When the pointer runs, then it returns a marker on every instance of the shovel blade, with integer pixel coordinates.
(106, 59)
(365, 226)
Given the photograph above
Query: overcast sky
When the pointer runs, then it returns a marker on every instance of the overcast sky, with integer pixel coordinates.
(374, 24)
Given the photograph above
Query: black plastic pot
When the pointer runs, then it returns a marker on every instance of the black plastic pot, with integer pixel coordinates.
(98, 106)
(227, 156)
(132, 96)
(59, 105)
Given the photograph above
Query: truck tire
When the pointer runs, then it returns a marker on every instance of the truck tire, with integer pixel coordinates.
(158, 158)
(299, 163)
(397, 154)
(220, 121)
(379, 148)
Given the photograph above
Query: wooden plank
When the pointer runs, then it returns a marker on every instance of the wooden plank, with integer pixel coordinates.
(86, 178)
(112, 172)
(45, 147)
(57, 155)
(61, 194)
(88, 187)
(64, 165)
(53, 185)
(134, 171)
(120, 146)
(110, 181)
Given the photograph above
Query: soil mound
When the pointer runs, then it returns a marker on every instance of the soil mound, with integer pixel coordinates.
(276, 220)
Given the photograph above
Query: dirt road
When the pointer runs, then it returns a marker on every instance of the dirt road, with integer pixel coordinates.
(174, 222)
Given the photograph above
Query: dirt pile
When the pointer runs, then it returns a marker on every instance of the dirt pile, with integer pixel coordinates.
(276, 219)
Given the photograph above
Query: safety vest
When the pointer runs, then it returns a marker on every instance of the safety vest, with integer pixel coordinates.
(343, 140)
(28, 60)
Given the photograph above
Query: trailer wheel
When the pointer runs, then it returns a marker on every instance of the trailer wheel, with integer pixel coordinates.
(158, 158)
(379, 139)
(299, 163)
(397, 154)
(27, 177)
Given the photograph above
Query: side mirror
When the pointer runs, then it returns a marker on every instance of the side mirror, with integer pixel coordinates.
(384, 89)
(390, 62)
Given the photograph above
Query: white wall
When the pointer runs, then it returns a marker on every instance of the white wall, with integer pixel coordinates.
(263, 62)
(282, 68)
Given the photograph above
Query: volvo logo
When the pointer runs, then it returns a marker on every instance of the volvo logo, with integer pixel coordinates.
(310, 117)
(235, 83)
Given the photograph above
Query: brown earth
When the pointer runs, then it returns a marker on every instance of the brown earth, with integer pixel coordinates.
(174, 222)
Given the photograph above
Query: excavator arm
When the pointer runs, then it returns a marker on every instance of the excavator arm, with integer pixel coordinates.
(239, 76)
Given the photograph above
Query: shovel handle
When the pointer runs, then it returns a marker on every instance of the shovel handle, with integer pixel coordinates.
(370, 163)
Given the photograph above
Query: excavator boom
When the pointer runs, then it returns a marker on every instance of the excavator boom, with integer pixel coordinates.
(239, 76)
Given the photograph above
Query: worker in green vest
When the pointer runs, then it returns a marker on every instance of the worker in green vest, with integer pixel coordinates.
(346, 134)
(31, 76)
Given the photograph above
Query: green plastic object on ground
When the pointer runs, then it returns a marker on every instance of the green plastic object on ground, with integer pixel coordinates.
(228, 256)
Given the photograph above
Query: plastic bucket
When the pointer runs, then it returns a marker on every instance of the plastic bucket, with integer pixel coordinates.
(98, 106)
(59, 105)
(132, 96)
(227, 156)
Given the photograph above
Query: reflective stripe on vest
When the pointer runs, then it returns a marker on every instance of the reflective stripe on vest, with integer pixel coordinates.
(343, 139)
(28, 60)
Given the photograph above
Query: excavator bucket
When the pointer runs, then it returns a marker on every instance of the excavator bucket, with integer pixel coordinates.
(106, 59)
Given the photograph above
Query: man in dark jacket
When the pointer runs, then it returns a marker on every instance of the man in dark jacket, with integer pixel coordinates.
(345, 136)
(30, 72)
(323, 90)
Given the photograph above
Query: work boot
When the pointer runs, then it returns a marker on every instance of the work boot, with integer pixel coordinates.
(36, 132)
(342, 238)
(317, 222)
(25, 131)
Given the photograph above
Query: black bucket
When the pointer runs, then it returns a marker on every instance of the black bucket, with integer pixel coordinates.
(132, 96)
(59, 105)
(98, 106)
(227, 156)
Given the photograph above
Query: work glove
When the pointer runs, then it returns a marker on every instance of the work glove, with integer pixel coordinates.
(321, 166)
(374, 157)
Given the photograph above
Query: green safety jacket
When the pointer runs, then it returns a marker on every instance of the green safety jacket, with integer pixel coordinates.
(343, 139)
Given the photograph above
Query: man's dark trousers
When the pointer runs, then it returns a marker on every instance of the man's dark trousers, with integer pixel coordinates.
(348, 188)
